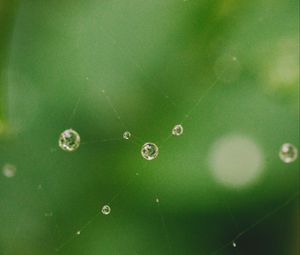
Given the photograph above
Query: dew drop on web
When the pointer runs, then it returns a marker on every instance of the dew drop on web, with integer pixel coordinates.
(177, 130)
(69, 140)
(126, 135)
(149, 151)
(288, 153)
(106, 210)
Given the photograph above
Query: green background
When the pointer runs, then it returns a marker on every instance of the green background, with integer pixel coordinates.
(220, 68)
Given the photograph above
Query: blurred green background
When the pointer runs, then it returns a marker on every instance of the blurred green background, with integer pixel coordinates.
(227, 70)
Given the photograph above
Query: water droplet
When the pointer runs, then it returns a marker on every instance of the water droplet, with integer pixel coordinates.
(105, 210)
(157, 200)
(149, 151)
(177, 130)
(234, 244)
(288, 153)
(127, 135)
(9, 170)
(78, 232)
(69, 140)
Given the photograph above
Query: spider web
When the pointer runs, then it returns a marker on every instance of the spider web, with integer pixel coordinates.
(171, 205)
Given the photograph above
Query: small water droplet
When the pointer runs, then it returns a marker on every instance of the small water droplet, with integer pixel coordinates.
(288, 153)
(9, 170)
(177, 130)
(157, 200)
(106, 210)
(78, 232)
(149, 151)
(69, 140)
(234, 244)
(127, 135)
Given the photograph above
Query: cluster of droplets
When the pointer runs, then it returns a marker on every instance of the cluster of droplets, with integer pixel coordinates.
(69, 140)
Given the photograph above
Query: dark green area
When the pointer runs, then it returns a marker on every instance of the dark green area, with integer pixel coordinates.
(220, 68)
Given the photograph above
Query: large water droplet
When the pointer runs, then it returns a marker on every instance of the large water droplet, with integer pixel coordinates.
(127, 135)
(177, 130)
(106, 210)
(69, 140)
(288, 153)
(149, 151)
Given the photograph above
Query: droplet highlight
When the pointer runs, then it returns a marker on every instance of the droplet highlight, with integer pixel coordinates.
(126, 135)
(288, 153)
(177, 130)
(105, 210)
(149, 151)
(69, 140)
